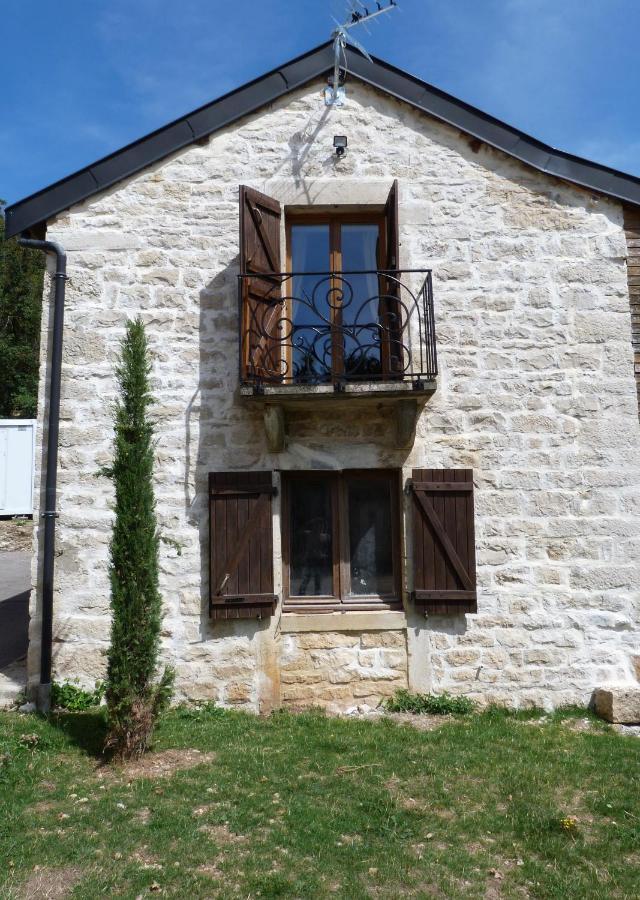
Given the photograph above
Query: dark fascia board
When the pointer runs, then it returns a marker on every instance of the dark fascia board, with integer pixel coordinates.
(492, 131)
(208, 119)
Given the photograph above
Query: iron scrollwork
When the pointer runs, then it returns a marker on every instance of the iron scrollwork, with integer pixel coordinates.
(323, 327)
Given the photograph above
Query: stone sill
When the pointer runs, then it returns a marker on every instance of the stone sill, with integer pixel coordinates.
(296, 623)
(357, 390)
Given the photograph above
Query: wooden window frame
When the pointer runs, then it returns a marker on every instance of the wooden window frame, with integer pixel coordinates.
(341, 599)
(334, 220)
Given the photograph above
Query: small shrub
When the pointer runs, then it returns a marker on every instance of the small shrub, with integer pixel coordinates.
(432, 704)
(70, 696)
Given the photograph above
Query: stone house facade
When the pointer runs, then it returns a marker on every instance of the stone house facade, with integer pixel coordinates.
(347, 513)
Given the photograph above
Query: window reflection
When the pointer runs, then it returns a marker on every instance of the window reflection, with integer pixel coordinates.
(311, 312)
(371, 557)
(359, 245)
(321, 303)
(311, 567)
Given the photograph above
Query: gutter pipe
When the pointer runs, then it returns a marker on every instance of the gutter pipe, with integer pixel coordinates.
(50, 514)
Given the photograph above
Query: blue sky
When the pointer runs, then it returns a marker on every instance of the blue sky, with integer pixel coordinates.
(81, 78)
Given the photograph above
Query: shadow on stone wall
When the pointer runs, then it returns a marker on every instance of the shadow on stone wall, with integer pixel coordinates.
(220, 434)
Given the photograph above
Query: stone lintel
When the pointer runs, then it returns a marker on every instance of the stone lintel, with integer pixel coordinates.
(291, 623)
(620, 705)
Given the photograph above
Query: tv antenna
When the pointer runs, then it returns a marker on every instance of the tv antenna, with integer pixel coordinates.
(334, 94)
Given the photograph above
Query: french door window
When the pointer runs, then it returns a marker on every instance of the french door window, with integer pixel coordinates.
(335, 308)
(340, 539)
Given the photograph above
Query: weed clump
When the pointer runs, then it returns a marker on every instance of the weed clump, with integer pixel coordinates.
(429, 704)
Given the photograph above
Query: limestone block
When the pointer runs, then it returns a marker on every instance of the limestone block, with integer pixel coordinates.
(239, 692)
(326, 640)
(383, 639)
(618, 704)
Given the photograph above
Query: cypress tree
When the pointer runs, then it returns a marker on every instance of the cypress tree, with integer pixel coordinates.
(135, 695)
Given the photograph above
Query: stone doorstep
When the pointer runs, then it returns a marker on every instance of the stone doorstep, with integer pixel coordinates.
(618, 704)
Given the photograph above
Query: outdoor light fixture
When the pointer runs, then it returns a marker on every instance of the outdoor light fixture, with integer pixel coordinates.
(340, 143)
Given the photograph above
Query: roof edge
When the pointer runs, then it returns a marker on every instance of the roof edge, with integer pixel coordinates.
(150, 148)
(211, 117)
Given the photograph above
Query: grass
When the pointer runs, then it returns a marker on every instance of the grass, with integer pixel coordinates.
(309, 807)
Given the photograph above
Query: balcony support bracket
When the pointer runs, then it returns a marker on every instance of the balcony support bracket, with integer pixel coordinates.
(275, 427)
(407, 412)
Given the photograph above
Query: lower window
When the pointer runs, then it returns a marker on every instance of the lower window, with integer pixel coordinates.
(341, 543)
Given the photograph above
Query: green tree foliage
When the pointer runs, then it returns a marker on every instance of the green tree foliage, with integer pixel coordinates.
(21, 275)
(135, 695)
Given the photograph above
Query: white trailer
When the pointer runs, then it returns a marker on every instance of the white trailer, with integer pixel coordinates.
(17, 459)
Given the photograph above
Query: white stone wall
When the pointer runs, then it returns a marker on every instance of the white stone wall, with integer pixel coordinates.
(536, 394)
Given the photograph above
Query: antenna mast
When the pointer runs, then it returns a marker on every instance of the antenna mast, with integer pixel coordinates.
(334, 95)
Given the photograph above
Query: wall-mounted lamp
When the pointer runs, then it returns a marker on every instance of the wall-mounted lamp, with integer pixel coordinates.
(340, 143)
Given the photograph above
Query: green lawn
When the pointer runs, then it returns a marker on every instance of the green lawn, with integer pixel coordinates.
(308, 806)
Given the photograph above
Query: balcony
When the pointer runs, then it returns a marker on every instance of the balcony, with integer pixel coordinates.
(308, 337)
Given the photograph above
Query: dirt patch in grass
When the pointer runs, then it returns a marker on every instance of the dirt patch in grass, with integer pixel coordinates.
(580, 725)
(48, 786)
(42, 806)
(49, 884)
(222, 834)
(143, 815)
(156, 765)
(211, 870)
(419, 722)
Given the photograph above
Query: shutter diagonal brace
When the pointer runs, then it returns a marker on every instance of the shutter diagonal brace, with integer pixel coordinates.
(444, 539)
(232, 563)
(256, 215)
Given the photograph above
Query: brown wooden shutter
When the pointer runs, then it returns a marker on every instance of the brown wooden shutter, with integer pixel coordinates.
(392, 228)
(262, 308)
(444, 561)
(241, 545)
(392, 355)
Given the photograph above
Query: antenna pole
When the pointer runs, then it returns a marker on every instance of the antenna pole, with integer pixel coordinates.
(334, 96)
(337, 49)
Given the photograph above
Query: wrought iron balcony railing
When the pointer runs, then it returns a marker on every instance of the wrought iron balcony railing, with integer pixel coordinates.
(337, 327)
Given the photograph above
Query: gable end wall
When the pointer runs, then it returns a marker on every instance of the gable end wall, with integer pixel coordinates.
(536, 394)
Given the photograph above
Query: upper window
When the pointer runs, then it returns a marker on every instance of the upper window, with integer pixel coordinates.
(335, 310)
(341, 539)
(334, 304)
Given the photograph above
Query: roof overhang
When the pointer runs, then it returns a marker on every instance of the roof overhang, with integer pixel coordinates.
(202, 122)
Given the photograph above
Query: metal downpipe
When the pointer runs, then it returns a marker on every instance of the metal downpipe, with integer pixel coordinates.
(50, 514)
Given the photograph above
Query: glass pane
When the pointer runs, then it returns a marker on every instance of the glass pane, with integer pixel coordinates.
(370, 547)
(360, 300)
(311, 333)
(311, 567)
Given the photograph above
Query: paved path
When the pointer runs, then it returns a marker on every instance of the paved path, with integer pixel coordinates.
(15, 585)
